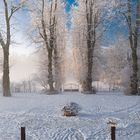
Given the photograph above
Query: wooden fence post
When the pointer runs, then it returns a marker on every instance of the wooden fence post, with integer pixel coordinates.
(113, 129)
(23, 135)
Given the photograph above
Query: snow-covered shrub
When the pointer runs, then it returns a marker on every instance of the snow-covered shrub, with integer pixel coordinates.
(71, 109)
(93, 91)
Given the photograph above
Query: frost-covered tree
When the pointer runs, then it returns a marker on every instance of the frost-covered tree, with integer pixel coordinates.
(49, 31)
(9, 8)
(116, 63)
(131, 12)
(79, 64)
(88, 27)
(58, 71)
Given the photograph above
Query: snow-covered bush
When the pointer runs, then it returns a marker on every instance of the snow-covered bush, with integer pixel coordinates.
(71, 109)
(93, 91)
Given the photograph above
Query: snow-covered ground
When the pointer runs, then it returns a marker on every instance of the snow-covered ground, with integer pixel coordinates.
(43, 119)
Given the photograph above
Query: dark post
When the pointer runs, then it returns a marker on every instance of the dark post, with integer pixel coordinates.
(23, 137)
(112, 125)
(113, 129)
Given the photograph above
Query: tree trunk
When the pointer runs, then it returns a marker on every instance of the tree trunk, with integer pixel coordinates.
(88, 81)
(133, 39)
(6, 79)
(50, 70)
(91, 37)
(134, 77)
(57, 68)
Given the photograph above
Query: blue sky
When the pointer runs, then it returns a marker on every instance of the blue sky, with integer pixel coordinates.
(69, 4)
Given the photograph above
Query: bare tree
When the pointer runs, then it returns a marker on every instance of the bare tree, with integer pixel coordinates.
(49, 31)
(89, 22)
(133, 38)
(116, 63)
(132, 18)
(5, 41)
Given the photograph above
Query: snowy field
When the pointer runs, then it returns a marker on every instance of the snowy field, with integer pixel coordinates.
(43, 119)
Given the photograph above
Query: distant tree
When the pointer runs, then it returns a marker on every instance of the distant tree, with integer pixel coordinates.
(116, 57)
(26, 86)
